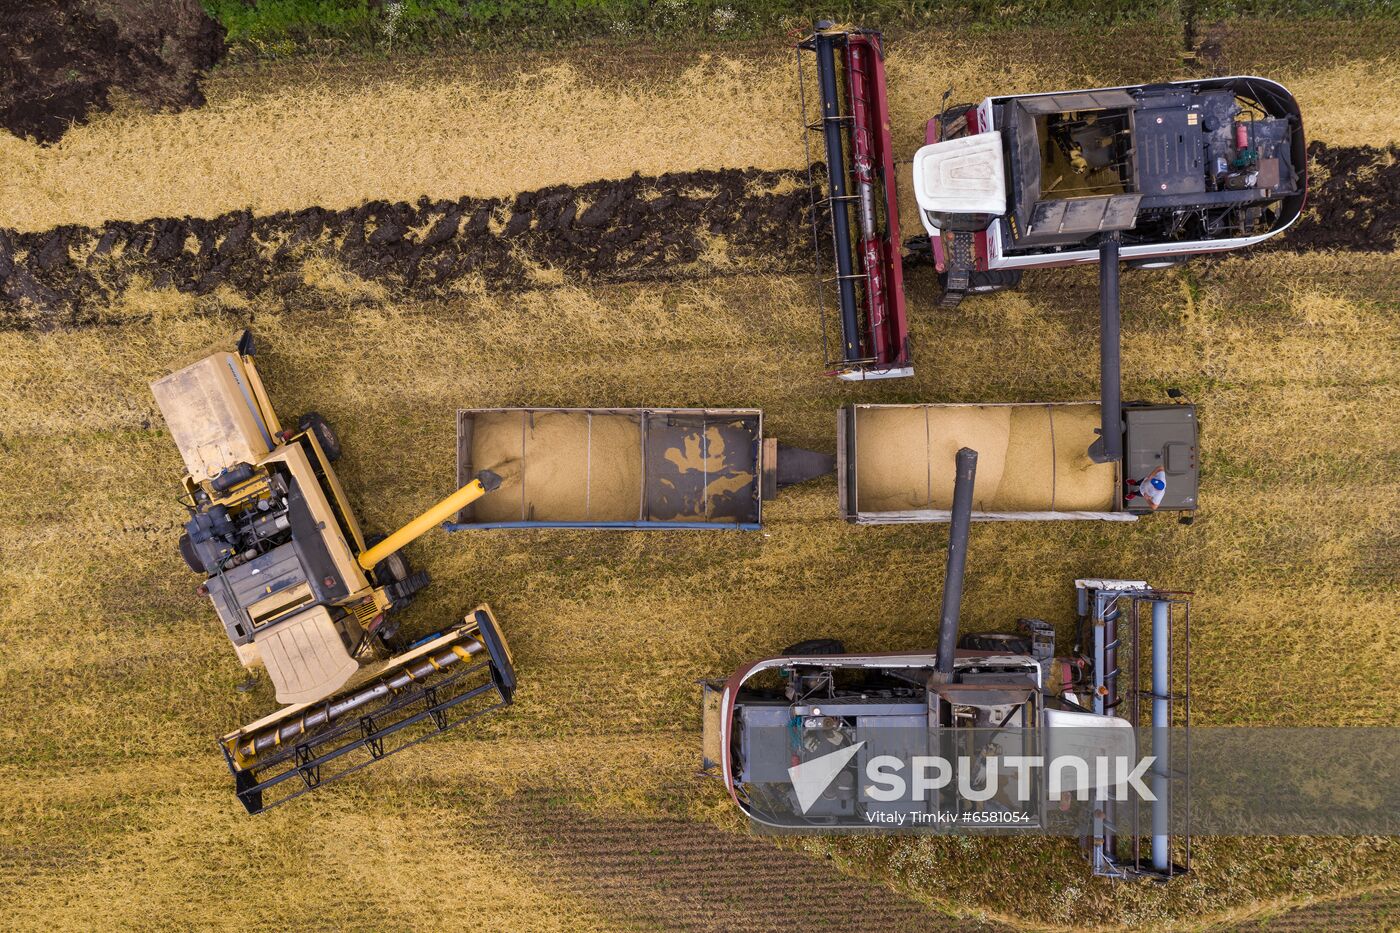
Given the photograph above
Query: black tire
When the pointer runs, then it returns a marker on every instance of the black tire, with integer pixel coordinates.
(978, 283)
(393, 569)
(330, 444)
(191, 558)
(390, 641)
(1163, 262)
(815, 646)
(996, 280)
(1005, 642)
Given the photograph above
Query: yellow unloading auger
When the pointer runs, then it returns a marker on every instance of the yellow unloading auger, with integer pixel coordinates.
(485, 482)
(302, 594)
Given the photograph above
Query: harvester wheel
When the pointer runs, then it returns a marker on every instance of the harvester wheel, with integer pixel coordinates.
(918, 250)
(330, 444)
(996, 280)
(393, 569)
(815, 646)
(187, 551)
(1163, 262)
(1007, 642)
(390, 642)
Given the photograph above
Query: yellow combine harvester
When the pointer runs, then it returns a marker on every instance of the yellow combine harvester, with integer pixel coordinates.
(302, 594)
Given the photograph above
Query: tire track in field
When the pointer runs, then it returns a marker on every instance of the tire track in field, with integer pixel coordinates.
(673, 873)
(669, 227)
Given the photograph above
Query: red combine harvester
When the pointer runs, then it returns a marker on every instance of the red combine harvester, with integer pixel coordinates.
(1149, 174)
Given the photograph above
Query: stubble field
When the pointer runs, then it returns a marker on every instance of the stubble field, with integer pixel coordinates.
(578, 808)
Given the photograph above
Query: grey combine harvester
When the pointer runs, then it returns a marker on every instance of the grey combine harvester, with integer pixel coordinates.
(982, 694)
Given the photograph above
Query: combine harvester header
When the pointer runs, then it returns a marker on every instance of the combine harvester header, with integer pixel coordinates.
(860, 207)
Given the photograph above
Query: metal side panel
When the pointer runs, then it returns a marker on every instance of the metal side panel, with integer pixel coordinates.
(1164, 436)
(846, 463)
(914, 516)
(465, 471)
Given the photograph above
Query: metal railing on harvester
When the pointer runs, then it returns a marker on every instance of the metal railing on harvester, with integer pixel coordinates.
(466, 674)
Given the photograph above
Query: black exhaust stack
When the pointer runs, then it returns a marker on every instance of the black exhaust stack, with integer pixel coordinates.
(957, 564)
(824, 43)
(1109, 446)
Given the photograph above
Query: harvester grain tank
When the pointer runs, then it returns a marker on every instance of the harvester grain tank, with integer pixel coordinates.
(303, 594)
(1150, 174)
(995, 693)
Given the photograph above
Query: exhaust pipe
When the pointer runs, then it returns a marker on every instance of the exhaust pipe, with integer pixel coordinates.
(957, 564)
(1109, 446)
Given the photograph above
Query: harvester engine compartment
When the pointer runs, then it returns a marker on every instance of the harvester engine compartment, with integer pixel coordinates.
(888, 710)
(265, 554)
(1158, 164)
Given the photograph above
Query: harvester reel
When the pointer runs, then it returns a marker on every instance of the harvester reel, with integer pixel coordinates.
(330, 444)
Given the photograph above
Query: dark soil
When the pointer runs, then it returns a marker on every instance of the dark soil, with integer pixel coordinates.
(608, 231)
(59, 59)
(1354, 201)
(638, 229)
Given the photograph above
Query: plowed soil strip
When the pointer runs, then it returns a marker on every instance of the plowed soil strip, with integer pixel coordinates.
(663, 228)
(676, 874)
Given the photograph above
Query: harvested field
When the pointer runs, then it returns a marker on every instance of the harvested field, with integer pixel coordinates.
(545, 816)
(661, 873)
(677, 226)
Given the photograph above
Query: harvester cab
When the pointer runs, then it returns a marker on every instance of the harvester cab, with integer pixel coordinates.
(1170, 170)
(1162, 171)
(304, 595)
(853, 718)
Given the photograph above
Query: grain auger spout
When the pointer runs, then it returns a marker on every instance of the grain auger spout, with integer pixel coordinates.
(444, 511)
(303, 594)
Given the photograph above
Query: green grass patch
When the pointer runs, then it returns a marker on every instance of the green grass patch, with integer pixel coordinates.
(280, 27)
